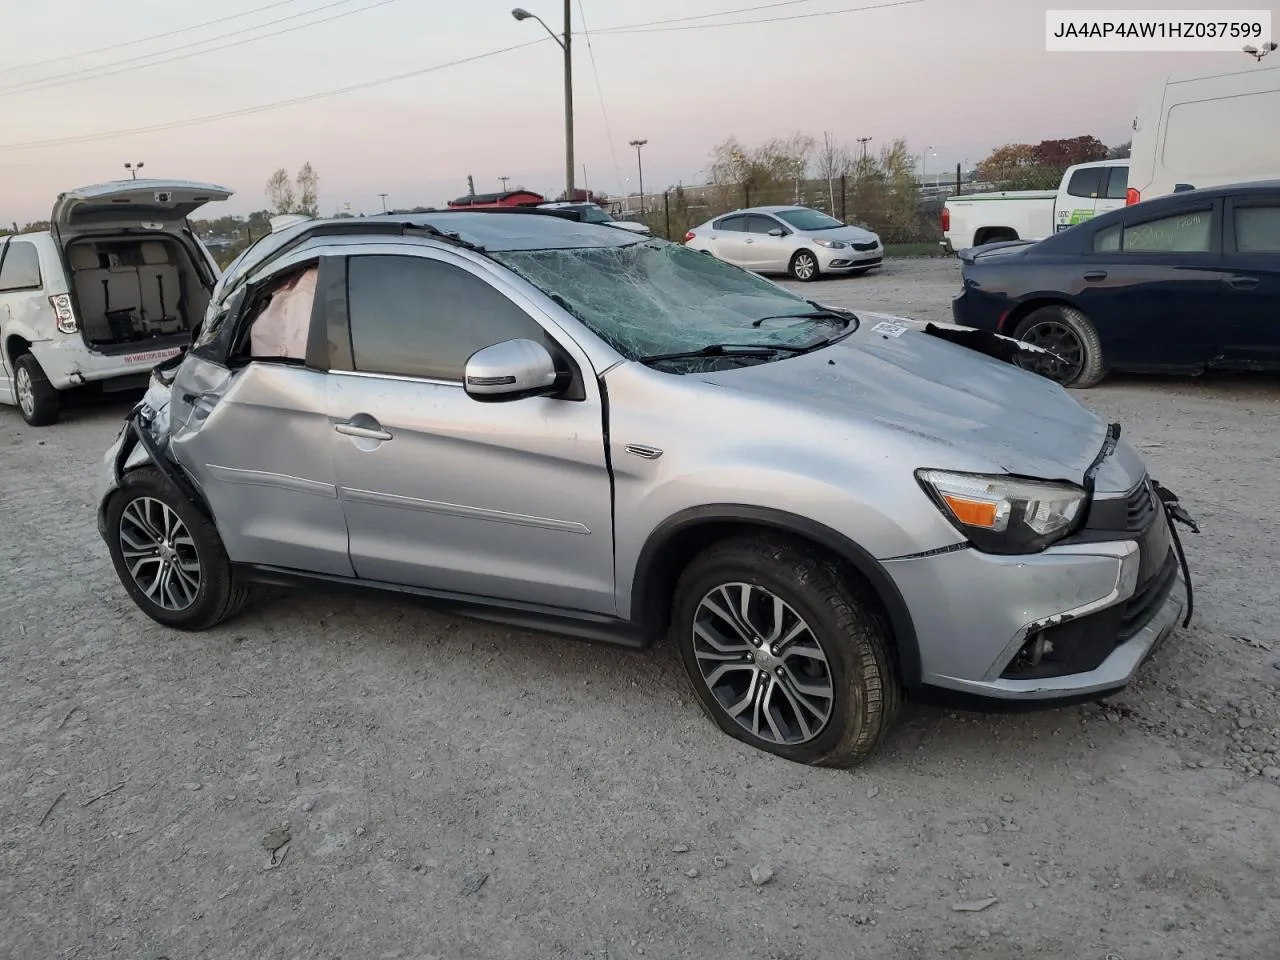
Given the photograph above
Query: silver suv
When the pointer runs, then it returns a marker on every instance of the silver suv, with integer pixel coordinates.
(567, 427)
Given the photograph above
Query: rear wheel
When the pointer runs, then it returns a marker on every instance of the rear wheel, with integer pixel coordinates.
(169, 556)
(1072, 340)
(784, 653)
(38, 402)
(804, 266)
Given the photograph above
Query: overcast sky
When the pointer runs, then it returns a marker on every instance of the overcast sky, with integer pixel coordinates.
(961, 76)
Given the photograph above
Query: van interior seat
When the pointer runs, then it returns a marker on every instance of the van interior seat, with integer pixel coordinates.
(101, 290)
(160, 287)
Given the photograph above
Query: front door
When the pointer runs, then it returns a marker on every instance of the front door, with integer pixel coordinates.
(728, 239)
(1153, 286)
(1252, 284)
(765, 253)
(499, 500)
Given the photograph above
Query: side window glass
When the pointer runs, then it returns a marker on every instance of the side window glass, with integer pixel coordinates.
(759, 224)
(1086, 183)
(1107, 240)
(732, 225)
(1118, 183)
(1258, 229)
(21, 269)
(415, 317)
(1180, 233)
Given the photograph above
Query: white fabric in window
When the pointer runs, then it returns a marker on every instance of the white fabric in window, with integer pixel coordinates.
(281, 329)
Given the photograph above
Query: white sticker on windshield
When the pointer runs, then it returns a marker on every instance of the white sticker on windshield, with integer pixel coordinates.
(889, 328)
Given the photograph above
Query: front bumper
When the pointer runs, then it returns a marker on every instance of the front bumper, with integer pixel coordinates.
(847, 258)
(1101, 608)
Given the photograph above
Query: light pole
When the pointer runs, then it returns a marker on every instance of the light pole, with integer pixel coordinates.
(383, 198)
(504, 183)
(133, 168)
(1259, 52)
(640, 170)
(566, 45)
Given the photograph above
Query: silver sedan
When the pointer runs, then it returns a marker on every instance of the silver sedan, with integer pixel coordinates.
(799, 241)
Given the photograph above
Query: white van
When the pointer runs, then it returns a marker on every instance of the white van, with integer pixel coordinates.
(1206, 130)
(114, 287)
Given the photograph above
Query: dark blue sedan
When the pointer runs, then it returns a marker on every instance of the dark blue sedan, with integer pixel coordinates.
(1182, 284)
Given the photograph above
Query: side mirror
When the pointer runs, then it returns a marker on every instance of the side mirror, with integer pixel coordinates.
(777, 232)
(511, 370)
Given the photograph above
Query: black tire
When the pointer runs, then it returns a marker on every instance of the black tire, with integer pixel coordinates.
(804, 266)
(1085, 365)
(38, 402)
(218, 595)
(845, 623)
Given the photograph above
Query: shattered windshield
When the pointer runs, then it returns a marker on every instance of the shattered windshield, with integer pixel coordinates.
(655, 297)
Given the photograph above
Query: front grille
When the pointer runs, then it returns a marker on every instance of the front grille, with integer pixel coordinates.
(868, 245)
(1140, 508)
(1148, 598)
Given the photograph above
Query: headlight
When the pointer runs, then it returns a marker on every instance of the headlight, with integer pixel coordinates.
(1004, 515)
(829, 244)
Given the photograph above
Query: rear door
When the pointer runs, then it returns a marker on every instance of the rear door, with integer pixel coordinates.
(1252, 285)
(1078, 202)
(1115, 187)
(1152, 283)
(728, 239)
(147, 204)
(508, 501)
(250, 423)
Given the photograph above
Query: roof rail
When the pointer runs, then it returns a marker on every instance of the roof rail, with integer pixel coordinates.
(539, 211)
(354, 227)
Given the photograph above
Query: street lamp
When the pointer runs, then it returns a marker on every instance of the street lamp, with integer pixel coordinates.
(1259, 52)
(383, 198)
(133, 168)
(640, 169)
(520, 13)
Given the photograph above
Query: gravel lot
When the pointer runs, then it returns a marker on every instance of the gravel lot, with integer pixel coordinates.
(459, 790)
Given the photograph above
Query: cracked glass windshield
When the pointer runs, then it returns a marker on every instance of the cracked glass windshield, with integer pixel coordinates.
(653, 298)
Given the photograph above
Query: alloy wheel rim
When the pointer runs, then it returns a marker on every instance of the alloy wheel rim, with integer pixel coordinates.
(763, 664)
(160, 553)
(26, 392)
(1061, 341)
(804, 266)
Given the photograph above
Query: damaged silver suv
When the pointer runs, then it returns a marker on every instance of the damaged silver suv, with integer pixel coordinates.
(568, 427)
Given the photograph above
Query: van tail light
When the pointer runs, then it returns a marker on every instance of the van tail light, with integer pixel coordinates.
(689, 236)
(1132, 196)
(63, 314)
(946, 220)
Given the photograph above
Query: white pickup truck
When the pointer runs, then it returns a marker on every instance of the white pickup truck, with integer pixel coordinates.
(1087, 189)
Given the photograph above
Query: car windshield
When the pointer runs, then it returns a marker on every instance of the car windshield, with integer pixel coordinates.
(808, 219)
(590, 213)
(656, 297)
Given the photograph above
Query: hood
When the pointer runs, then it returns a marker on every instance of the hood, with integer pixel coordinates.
(153, 204)
(1001, 248)
(848, 234)
(993, 416)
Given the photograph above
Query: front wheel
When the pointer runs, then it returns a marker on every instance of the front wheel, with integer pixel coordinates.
(169, 556)
(804, 266)
(1072, 340)
(784, 654)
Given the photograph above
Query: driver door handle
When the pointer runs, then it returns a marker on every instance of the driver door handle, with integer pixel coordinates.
(349, 429)
(1095, 275)
(1242, 283)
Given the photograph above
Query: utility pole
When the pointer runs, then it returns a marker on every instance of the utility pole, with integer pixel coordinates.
(383, 198)
(504, 184)
(640, 170)
(565, 41)
(133, 168)
(864, 141)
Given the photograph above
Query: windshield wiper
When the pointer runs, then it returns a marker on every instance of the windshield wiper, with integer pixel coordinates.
(841, 317)
(727, 350)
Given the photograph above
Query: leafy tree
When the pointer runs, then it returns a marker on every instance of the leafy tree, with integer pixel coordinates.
(280, 192)
(1007, 162)
(308, 191)
(1060, 154)
(1120, 151)
(300, 195)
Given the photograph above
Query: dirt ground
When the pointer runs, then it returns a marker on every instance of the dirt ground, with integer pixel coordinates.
(456, 790)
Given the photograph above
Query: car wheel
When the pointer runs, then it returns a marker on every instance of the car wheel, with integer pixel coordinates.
(169, 556)
(38, 402)
(784, 653)
(1067, 333)
(804, 266)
